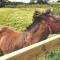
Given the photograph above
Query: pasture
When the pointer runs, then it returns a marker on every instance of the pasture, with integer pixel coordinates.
(19, 18)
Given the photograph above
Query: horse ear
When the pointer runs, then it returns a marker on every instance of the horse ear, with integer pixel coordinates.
(37, 13)
(36, 16)
(49, 12)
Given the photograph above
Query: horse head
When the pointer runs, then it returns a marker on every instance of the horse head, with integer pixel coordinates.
(36, 19)
(51, 17)
(36, 16)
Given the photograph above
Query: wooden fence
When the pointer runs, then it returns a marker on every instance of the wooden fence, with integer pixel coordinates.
(33, 51)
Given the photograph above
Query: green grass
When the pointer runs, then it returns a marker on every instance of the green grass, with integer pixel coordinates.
(51, 55)
(20, 18)
(54, 3)
(15, 17)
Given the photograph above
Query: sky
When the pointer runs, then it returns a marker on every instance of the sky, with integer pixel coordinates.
(53, 0)
(26, 1)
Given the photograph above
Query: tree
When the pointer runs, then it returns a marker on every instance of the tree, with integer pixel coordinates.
(2, 2)
(33, 1)
(42, 1)
(58, 1)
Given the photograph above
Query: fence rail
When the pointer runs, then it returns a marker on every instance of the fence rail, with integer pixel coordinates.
(31, 52)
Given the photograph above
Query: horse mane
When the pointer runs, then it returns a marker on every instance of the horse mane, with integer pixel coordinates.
(36, 19)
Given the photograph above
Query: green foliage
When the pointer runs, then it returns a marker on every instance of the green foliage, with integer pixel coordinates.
(52, 55)
(15, 17)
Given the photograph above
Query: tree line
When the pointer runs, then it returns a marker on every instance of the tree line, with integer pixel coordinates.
(7, 2)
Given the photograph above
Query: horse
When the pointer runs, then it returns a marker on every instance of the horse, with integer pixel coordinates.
(53, 22)
(11, 40)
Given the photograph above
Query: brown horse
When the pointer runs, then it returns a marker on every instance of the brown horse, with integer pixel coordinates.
(53, 22)
(11, 40)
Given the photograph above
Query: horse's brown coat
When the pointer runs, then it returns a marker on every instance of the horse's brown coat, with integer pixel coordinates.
(42, 25)
(11, 40)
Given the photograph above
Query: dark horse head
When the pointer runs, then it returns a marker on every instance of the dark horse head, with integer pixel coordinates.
(49, 15)
(36, 19)
(52, 21)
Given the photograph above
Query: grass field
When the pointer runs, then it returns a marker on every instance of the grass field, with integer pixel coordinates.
(20, 18)
(15, 17)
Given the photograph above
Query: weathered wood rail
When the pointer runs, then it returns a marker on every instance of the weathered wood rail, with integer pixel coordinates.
(30, 52)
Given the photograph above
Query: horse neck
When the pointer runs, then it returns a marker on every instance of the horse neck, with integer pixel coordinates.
(50, 19)
(32, 26)
(35, 28)
(39, 31)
